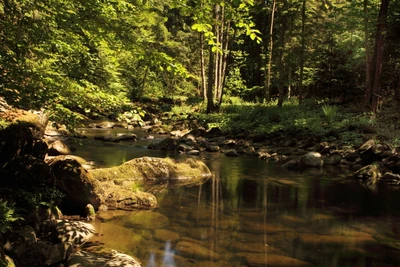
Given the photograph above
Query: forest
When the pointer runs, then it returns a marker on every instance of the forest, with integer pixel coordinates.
(94, 58)
(322, 75)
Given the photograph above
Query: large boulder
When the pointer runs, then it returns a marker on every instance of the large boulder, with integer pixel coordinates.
(118, 197)
(81, 188)
(78, 185)
(151, 169)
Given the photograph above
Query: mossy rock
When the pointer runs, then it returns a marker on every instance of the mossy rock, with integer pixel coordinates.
(187, 171)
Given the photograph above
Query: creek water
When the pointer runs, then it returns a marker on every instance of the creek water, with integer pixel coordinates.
(252, 213)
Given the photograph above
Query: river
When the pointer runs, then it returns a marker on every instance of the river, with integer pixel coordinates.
(252, 213)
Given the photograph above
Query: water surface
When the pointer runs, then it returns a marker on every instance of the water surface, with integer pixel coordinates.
(254, 213)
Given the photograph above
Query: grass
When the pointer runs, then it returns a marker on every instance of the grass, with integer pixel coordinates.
(311, 118)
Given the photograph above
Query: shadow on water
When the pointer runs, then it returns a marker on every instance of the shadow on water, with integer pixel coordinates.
(254, 213)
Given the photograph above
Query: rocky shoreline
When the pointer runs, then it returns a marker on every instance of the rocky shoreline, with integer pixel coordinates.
(32, 163)
(39, 184)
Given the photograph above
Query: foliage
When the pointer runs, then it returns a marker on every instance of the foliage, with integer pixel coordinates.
(135, 115)
(181, 111)
(7, 216)
(3, 124)
(329, 111)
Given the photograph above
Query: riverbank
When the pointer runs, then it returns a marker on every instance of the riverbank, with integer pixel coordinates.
(375, 162)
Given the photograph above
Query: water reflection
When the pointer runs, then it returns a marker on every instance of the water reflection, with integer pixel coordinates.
(252, 213)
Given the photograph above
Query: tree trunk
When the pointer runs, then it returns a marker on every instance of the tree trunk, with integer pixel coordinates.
(203, 69)
(367, 56)
(267, 81)
(303, 47)
(378, 55)
(210, 85)
(281, 63)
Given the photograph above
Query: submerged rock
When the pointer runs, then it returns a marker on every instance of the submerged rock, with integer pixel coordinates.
(196, 251)
(146, 220)
(261, 259)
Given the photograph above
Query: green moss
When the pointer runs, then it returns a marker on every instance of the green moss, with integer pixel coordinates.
(154, 169)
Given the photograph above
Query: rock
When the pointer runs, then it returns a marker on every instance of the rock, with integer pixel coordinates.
(126, 137)
(90, 212)
(76, 232)
(333, 159)
(58, 147)
(165, 235)
(201, 233)
(146, 220)
(252, 247)
(369, 174)
(371, 151)
(352, 156)
(393, 163)
(261, 259)
(196, 251)
(116, 237)
(169, 144)
(212, 148)
(257, 228)
(16, 243)
(184, 148)
(78, 185)
(231, 153)
(390, 179)
(88, 259)
(178, 172)
(199, 132)
(45, 254)
(314, 241)
(292, 164)
(118, 197)
(105, 125)
(311, 159)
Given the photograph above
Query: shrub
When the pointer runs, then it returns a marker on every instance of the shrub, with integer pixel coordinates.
(7, 216)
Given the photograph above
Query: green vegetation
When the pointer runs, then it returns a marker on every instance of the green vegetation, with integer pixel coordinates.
(3, 123)
(7, 216)
(247, 61)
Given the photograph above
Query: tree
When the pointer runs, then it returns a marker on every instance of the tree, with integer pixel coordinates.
(378, 56)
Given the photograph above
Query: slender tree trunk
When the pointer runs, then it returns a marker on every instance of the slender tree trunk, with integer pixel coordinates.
(210, 85)
(203, 69)
(367, 55)
(378, 55)
(267, 93)
(281, 63)
(303, 47)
